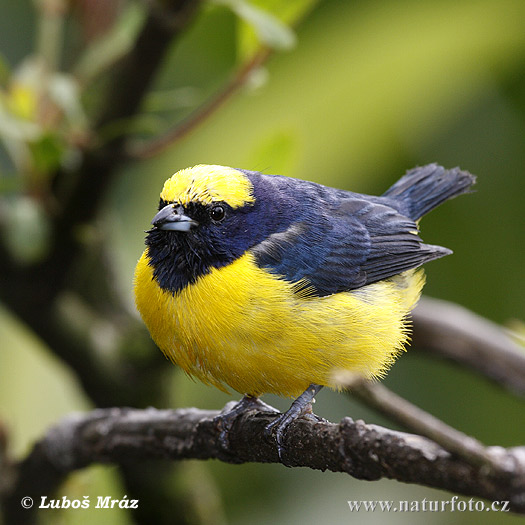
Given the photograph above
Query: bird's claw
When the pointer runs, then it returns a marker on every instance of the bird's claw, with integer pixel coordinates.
(302, 406)
(276, 430)
(226, 418)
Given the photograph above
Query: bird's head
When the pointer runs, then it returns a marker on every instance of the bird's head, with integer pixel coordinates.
(208, 217)
(201, 196)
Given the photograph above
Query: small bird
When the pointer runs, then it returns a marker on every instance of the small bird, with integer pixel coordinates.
(269, 284)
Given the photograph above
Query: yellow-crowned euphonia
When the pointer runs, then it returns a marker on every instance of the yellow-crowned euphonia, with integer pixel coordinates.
(269, 284)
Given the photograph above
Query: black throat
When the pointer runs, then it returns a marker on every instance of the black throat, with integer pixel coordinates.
(179, 259)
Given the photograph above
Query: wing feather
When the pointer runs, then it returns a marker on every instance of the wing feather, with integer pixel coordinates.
(353, 243)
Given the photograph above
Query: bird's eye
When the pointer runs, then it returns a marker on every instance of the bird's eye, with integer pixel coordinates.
(217, 213)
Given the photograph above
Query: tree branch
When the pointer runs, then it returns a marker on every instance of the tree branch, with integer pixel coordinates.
(451, 331)
(417, 420)
(128, 436)
(129, 84)
(370, 452)
(34, 292)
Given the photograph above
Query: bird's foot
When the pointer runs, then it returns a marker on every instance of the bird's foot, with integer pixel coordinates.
(302, 406)
(225, 419)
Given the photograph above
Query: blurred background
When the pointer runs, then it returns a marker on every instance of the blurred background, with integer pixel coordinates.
(347, 94)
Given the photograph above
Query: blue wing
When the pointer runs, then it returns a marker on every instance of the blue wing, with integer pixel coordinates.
(347, 244)
(331, 240)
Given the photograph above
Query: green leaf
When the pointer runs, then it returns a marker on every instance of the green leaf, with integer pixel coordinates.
(269, 29)
(46, 153)
(65, 92)
(288, 11)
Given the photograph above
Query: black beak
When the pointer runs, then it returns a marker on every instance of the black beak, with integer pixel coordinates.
(172, 218)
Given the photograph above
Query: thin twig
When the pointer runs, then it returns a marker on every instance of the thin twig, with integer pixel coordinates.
(417, 420)
(451, 331)
(170, 137)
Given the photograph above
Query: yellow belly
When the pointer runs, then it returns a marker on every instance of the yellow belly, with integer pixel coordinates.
(244, 327)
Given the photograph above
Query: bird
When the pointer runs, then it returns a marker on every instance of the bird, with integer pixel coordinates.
(270, 284)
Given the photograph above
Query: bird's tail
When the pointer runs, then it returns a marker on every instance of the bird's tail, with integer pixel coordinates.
(424, 188)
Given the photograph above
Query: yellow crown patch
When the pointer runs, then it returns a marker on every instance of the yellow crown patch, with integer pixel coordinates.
(208, 183)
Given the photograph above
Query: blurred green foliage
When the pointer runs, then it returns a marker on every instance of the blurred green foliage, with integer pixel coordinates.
(357, 94)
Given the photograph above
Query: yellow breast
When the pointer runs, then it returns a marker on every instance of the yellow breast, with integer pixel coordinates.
(244, 327)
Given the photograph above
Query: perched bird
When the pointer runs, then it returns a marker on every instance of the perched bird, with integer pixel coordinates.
(269, 284)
